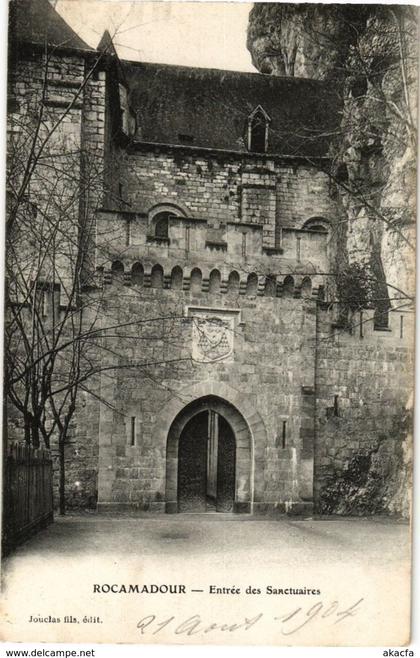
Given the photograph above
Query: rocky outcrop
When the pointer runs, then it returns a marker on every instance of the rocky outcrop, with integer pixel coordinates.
(375, 481)
(371, 53)
(309, 41)
(378, 146)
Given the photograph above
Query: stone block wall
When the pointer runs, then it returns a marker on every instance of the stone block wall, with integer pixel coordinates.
(81, 454)
(242, 207)
(258, 200)
(46, 117)
(192, 244)
(268, 379)
(205, 186)
(58, 108)
(93, 142)
(223, 187)
(329, 412)
(364, 407)
(334, 407)
(303, 193)
(65, 95)
(60, 94)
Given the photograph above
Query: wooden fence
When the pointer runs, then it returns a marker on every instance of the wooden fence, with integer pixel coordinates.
(27, 494)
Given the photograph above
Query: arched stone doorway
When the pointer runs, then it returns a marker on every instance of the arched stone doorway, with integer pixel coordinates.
(209, 459)
(206, 464)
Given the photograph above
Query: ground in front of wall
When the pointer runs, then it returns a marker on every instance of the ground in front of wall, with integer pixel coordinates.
(220, 567)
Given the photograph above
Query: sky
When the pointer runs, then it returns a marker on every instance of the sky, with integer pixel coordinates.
(207, 34)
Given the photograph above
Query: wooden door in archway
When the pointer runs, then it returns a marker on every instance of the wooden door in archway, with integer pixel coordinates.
(206, 464)
(226, 453)
(192, 465)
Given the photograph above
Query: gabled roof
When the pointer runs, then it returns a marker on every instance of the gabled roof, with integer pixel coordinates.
(210, 108)
(259, 110)
(36, 21)
(106, 45)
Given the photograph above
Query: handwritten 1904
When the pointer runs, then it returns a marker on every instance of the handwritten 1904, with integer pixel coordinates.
(289, 623)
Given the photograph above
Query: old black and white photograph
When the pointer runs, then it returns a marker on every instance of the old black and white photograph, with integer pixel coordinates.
(209, 322)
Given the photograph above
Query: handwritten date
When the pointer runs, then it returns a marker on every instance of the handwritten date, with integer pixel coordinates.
(289, 623)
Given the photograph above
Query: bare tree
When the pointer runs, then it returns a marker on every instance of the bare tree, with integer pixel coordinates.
(56, 338)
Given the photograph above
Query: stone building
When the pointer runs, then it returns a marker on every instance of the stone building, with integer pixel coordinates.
(225, 380)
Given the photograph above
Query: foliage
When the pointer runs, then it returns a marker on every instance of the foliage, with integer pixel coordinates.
(355, 287)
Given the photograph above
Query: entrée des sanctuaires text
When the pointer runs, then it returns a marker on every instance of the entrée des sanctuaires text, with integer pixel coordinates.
(115, 588)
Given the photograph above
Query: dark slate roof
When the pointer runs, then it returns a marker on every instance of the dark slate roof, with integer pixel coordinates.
(211, 106)
(36, 21)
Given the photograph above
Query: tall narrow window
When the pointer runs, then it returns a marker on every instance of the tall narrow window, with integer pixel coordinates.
(124, 110)
(44, 304)
(244, 244)
(133, 431)
(298, 249)
(258, 123)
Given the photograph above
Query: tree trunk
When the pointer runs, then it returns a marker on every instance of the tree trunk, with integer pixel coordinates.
(35, 433)
(27, 422)
(62, 470)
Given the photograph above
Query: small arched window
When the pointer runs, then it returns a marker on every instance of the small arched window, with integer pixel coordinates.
(161, 223)
(156, 278)
(214, 281)
(318, 224)
(258, 123)
(117, 269)
(288, 286)
(233, 283)
(160, 219)
(252, 284)
(196, 280)
(177, 277)
(306, 289)
(137, 274)
(270, 288)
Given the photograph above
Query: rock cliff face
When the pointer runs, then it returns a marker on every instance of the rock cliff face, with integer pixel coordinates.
(371, 53)
(309, 41)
